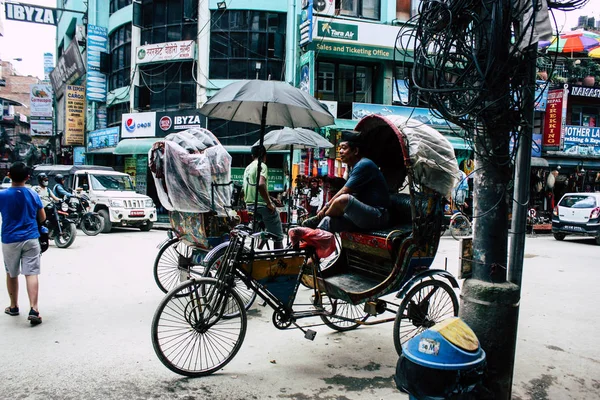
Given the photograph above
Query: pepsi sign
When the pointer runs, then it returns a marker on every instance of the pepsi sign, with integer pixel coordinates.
(137, 125)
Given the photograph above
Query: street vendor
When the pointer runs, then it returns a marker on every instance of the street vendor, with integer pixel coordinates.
(362, 204)
(265, 207)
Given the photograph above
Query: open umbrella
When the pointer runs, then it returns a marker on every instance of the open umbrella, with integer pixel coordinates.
(288, 138)
(594, 53)
(574, 42)
(267, 103)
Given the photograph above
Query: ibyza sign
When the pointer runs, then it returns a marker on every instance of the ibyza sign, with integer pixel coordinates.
(30, 13)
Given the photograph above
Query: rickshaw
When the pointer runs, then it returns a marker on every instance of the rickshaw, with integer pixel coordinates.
(200, 325)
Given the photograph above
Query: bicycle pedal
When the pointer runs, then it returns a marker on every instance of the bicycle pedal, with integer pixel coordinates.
(310, 334)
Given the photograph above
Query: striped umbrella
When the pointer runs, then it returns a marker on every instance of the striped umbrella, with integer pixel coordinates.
(575, 42)
(594, 53)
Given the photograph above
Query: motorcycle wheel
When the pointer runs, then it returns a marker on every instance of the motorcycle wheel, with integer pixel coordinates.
(91, 224)
(69, 232)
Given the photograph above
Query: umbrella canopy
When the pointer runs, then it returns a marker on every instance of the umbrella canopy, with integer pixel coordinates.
(286, 105)
(574, 42)
(594, 53)
(299, 138)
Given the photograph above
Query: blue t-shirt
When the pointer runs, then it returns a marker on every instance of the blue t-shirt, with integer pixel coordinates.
(368, 185)
(19, 207)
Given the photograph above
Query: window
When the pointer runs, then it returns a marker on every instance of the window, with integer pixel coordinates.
(584, 116)
(115, 113)
(346, 84)
(167, 87)
(168, 21)
(247, 45)
(120, 57)
(116, 5)
(370, 9)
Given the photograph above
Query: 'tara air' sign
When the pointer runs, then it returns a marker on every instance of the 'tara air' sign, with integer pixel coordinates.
(30, 13)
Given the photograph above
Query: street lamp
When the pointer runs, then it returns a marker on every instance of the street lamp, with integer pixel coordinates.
(258, 67)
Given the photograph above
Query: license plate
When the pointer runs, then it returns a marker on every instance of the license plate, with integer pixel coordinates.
(136, 213)
(573, 228)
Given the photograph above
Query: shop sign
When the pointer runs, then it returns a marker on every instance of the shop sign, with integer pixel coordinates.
(103, 138)
(48, 65)
(176, 121)
(307, 72)
(541, 95)
(337, 30)
(138, 125)
(97, 43)
(68, 69)
(30, 13)
(585, 92)
(101, 117)
(275, 183)
(582, 140)
(424, 115)
(40, 100)
(75, 116)
(171, 51)
(41, 127)
(377, 41)
(306, 22)
(332, 106)
(554, 121)
(79, 155)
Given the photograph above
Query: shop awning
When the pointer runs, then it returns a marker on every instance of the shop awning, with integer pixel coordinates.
(135, 146)
(458, 143)
(106, 150)
(539, 162)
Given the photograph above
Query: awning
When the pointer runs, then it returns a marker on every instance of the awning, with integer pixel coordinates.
(458, 143)
(135, 146)
(539, 162)
(105, 150)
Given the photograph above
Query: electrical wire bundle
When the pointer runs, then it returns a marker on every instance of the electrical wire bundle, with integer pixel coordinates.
(470, 62)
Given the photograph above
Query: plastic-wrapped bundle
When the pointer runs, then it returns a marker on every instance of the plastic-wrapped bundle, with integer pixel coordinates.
(192, 172)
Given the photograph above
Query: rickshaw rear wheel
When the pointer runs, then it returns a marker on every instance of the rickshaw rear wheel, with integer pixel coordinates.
(342, 309)
(426, 304)
(190, 335)
(460, 227)
(167, 270)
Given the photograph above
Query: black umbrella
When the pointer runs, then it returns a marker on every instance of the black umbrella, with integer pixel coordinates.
(267, 103)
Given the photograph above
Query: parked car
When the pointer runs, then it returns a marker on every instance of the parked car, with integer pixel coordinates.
(577, 214)
(6, 182)
(111, 194)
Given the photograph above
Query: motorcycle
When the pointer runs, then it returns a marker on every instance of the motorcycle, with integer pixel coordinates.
(79, 211)
(61, 228)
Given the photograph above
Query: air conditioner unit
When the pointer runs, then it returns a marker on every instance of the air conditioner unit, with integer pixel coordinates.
(324, 7)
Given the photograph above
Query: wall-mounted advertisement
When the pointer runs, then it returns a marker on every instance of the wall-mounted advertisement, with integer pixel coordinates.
(541, 95)
(48, 65)
(79, 155)
(41, 127)
(400, 91)
(306, 20)
(171, 51)
(75, 116)
(424, 115)
(103, 138)
(40, 101)
(582, 140)
(177, 121)
(101, 117)
(554, 121)
(97, 42)
(138, 125)
(69, 68)
(307, 72)
(332, 106)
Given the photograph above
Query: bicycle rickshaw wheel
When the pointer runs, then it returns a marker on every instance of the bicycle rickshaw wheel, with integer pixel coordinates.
(167, 272)
(247, 295)
(426, 304)
(190, 335)
(460, 227)
(342, 309)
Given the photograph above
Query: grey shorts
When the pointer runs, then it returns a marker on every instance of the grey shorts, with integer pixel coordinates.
(271, 220)
(357, 216)
(22, 257)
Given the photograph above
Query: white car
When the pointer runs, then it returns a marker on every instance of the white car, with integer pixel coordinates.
(6, 183)
(577, 214)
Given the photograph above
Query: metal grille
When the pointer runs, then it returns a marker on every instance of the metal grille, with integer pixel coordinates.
(134, 203)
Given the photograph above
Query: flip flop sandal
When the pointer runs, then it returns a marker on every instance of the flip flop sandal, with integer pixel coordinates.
(11, 311)
(34, 317)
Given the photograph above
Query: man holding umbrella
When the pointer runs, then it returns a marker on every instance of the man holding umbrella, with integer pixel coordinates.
(265, 207)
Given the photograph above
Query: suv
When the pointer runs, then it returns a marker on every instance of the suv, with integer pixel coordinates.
(111, 193)
(577, 214)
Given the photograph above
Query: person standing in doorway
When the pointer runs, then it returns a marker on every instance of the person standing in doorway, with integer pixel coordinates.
(265, 207)
(21, 210)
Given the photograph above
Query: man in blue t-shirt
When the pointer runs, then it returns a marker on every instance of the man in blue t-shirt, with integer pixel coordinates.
(362, 204)
(21, 210)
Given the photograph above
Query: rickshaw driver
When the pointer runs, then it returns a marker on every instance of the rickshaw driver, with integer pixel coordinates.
(265, 207)
(362, 204)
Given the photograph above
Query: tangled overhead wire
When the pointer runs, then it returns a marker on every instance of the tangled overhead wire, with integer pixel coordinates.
(470, 62)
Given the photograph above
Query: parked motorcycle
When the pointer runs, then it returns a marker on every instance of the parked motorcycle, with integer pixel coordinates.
(91, 223)
(61, 228)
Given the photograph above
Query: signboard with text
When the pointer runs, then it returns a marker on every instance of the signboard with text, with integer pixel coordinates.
(307, 72)
(171, 51)
(138, 125)
(40, 101)
(97, 43)
(69, 68)
(75, 116)
(30, 13)
(103, 138)
(554, 121)
(582, 140)
(177, 121)
(275, 183)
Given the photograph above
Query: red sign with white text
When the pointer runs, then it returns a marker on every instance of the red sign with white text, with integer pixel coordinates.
(554, 119)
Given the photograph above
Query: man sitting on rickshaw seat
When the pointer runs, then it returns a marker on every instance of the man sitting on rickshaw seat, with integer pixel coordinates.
(362, 204)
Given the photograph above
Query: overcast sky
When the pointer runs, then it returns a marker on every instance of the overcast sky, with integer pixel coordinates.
(30, 41)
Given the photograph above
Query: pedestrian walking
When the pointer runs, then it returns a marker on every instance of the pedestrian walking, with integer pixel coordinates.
(21, 209)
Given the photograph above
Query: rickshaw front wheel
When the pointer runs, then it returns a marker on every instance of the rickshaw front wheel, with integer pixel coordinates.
(190, 335)
(343, 309)
(426, 304)
(174, 262)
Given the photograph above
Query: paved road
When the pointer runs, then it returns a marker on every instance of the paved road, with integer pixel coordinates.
(98, 297)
